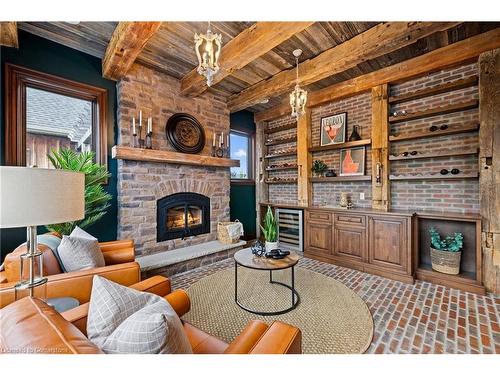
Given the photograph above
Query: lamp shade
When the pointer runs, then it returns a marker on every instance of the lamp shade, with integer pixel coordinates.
(37, 196)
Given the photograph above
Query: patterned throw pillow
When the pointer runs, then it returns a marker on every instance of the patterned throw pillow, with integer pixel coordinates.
(79, 253)
(124, 320)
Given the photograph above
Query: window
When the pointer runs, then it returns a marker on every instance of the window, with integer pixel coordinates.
(46, 112)
(241, 148)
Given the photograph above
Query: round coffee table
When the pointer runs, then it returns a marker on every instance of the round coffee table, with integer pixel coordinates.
(246, 259)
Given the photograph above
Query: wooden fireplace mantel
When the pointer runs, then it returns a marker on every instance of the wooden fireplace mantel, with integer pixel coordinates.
(157, 156)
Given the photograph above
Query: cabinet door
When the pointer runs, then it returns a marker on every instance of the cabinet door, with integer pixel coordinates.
(387, 242)
(349, 242)
(319, 237)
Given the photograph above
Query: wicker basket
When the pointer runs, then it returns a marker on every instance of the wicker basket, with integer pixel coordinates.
(446, 261)
(223, 234)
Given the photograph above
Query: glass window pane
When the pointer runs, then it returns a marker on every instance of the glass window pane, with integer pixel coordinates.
(55, 121)
(240, 145)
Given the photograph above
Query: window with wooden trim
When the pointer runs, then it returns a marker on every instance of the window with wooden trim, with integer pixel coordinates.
(45, 112)
(241, 148)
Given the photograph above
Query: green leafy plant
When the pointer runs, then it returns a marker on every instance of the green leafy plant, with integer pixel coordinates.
(319, 167)
(96, 199)
(450, 243)
(270, 227)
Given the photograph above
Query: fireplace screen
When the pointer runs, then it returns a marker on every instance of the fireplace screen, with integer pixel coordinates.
(182, 215)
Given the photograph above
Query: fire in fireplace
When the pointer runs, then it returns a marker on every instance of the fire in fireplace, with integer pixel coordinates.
(182, 215)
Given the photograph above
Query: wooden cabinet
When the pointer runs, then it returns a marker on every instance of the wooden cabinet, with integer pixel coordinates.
(387, 242)
(318, 237)
(350, 242)
(370, 241)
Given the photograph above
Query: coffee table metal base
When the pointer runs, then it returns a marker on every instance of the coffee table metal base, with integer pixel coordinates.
(295, 294)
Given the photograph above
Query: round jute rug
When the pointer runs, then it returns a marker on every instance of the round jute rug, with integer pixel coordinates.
(332, 318)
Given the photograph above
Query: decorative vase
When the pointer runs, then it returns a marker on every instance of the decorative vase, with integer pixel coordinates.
(446, 261)
(344, 201)
(271, 246)
(354, 135)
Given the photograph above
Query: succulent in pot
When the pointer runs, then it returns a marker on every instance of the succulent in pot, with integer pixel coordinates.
(319, 167)
(446, 253)
(269, 228)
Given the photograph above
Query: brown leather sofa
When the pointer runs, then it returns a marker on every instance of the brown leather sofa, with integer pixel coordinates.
(120, 267)
(31, 326)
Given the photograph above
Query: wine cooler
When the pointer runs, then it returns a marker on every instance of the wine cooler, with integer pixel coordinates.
(290, 229)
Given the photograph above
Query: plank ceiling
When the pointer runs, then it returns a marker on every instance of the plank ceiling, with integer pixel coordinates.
(171, 50)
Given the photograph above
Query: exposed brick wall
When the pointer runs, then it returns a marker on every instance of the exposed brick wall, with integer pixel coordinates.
(140, 184)
(458, 196)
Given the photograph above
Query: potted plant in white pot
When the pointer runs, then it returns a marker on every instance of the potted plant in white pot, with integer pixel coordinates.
(270, 230)
(446, 254)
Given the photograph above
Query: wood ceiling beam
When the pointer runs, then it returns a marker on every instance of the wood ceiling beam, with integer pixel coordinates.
(376, 41)
(438, 59)
(8, 34)
(127, 42)
(247, 46)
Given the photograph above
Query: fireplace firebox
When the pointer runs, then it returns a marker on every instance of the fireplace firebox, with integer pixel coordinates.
(182, 215)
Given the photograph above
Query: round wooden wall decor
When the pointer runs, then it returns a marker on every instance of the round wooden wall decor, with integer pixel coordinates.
(185, 133)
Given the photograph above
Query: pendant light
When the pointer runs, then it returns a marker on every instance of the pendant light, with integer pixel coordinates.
(298, 97)
(208, 47)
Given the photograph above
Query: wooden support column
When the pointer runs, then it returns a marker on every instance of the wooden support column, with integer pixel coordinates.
(380, 148)
(8, 34)
(489, 166)
(304, 159)
(261, 188)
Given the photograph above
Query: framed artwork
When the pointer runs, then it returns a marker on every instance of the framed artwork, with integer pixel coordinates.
(333, 129)
(352, 161)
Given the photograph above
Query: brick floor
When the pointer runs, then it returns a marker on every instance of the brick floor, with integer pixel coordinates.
(419, 318)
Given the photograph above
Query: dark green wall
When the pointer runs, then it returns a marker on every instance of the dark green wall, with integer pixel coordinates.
(243, 196)
(45, 56)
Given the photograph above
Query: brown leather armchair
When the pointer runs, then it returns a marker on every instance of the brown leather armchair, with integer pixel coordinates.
(120, 267)
(31, 326)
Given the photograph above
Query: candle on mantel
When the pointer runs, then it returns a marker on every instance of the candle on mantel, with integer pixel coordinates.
(149, 125)
(133, 127)
(227, 138)
(140, 118)
(214, 140)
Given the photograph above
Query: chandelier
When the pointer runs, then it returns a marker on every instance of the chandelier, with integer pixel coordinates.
(208, 47)
(298, 97)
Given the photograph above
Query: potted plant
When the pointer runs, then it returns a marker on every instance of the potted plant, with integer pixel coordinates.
(446, 254)
(319, 167)
(270, 230)
(96, 199)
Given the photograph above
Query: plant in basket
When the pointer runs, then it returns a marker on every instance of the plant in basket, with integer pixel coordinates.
(446, 253)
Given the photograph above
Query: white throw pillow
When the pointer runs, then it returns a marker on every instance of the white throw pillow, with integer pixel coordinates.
(124, 320)
(79, 253)
(79, 232)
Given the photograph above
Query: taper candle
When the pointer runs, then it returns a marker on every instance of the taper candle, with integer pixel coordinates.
(140, 118)
(214, 140)
(133, 127)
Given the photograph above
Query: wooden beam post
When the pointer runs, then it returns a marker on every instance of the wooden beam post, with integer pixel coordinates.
(127, 42)
(8, 34)
(453, 54)
(261, 188)
(374, 42)
(247, 46)
(489, 164)
(380, 148)
(304, 192)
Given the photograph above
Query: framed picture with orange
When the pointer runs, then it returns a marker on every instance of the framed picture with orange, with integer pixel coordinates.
(333, 129)
(352, 161)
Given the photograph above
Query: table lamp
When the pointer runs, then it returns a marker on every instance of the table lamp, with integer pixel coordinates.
(37, 196)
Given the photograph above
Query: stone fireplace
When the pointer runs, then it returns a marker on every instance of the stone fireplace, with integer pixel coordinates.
(182, 215)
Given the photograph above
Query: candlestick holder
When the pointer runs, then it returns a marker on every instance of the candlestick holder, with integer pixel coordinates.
(149, 142)
(220, 148)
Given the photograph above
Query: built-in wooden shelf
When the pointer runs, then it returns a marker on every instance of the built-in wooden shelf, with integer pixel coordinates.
(340, 178)
(281, 141)
(337, 146)
(292, 153)
(437, 176)
(451, 86)
(280, 129)
(274, 182)
(435, 111)
(157, 156)
(282, 168)
(427, 134)
(437, 154)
